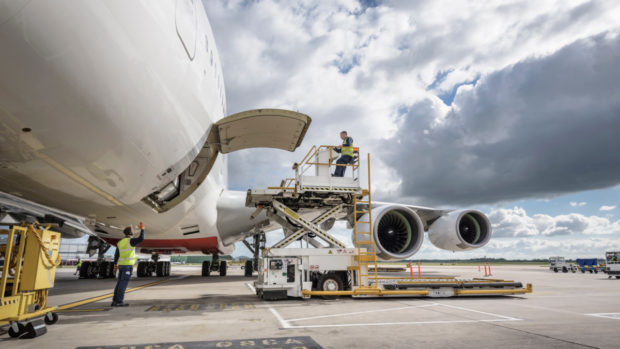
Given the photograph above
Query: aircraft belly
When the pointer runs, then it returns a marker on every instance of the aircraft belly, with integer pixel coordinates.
(99, 99)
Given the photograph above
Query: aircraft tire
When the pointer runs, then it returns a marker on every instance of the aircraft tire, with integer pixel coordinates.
(206, 268)
(140, 271)
(248, 268)
(223, 268)
(160, 269)
(167, 268)
(84, 270)
(105, 270)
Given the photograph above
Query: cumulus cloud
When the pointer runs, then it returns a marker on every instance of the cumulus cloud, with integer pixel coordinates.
(516, 223)
(390, 69)
(608, 208)
(577, 204)
(537, 128)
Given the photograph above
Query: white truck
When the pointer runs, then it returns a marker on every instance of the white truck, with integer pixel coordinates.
(559, 264)
(613, 264)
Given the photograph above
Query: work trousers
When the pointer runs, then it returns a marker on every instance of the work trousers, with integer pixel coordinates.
(344, 159)
(124, 274)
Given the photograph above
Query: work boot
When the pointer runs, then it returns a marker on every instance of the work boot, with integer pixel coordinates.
(122, 305)
(113, 304)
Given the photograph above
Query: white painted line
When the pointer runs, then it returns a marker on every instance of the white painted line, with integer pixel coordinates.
(613, 316)
(361, 312)
(502, 318)
(284, 323)
(251, 288)
(482, 312)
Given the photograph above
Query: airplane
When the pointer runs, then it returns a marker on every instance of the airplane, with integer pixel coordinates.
(114, 112)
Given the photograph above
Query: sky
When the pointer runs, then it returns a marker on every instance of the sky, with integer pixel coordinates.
(509, 107)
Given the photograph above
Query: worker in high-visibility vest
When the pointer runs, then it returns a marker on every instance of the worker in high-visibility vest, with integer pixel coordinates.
(79, 265)
(124, 259)
(346, 154)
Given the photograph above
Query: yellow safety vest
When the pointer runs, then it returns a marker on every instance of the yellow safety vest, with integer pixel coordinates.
(79, 264)
(347, 150)
(126, 253)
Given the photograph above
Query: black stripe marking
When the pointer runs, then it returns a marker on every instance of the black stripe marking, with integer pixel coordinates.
(192, 232)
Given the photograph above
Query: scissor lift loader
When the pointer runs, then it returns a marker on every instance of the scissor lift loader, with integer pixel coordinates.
(306, 207)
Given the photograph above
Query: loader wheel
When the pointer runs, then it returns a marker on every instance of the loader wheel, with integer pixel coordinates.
(52, 321)
(248, 268)
(590, 271)
(206, 268)
(223, 268)
(555, 270)
(617, 277)
(564, 270)
(21, 330)
(330, 282)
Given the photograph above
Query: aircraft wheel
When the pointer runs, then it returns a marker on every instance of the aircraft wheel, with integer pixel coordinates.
(248, 268)
(21, 329)
(223, 268)
(330, 282)
(167, 268)
(84, 270)
(160, 269)
(105, 270)
(141, 269)
(206, 268)
(91, 270)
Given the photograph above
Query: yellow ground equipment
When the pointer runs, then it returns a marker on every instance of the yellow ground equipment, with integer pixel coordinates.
(28, 272)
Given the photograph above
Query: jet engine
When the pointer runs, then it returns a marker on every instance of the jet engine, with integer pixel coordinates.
(398, 232)
(462, 230)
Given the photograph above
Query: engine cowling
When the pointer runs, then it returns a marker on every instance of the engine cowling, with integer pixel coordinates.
(398, 232)
(462, 230)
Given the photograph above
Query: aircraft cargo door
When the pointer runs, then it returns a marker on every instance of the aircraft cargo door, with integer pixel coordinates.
(261, 128)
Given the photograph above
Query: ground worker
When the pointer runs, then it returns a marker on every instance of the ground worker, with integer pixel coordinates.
(346, 154)
(79, 265)
(124, 259)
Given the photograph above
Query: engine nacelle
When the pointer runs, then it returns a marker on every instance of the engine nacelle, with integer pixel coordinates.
(398, 232)
(462, 230)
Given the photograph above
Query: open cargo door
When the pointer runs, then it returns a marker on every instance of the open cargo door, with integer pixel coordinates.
(260, 128)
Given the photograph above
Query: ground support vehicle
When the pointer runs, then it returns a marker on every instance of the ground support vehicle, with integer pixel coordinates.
(613, 264)
(337, 270)
(558, 264)
(589, 265)
(31, 254)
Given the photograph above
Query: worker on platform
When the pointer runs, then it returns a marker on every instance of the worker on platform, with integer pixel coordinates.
(346, 154)
(79, 265)
(124, 259)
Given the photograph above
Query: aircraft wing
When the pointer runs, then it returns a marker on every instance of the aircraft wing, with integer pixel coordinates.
(14, 209)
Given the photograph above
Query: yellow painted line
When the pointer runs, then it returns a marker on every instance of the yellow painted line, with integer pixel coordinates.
(95, 299)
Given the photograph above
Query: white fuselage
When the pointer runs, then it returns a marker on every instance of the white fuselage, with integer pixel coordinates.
(118, 97)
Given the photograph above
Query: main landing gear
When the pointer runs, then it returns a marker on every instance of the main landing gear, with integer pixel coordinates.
(208, 266)
(100, 269)
(155, 266)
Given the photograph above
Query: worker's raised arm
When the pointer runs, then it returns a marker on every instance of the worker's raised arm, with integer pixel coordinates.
(136, 241)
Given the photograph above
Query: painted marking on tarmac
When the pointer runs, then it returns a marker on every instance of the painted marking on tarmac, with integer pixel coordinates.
(261, 343)
(203, 307)
(287, 323)
(251, 288)
(614, 316)
(81, 310)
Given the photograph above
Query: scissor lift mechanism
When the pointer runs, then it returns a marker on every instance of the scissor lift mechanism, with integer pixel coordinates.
(335, 270)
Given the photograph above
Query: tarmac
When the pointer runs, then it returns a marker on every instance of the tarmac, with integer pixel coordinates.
(188, 311)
